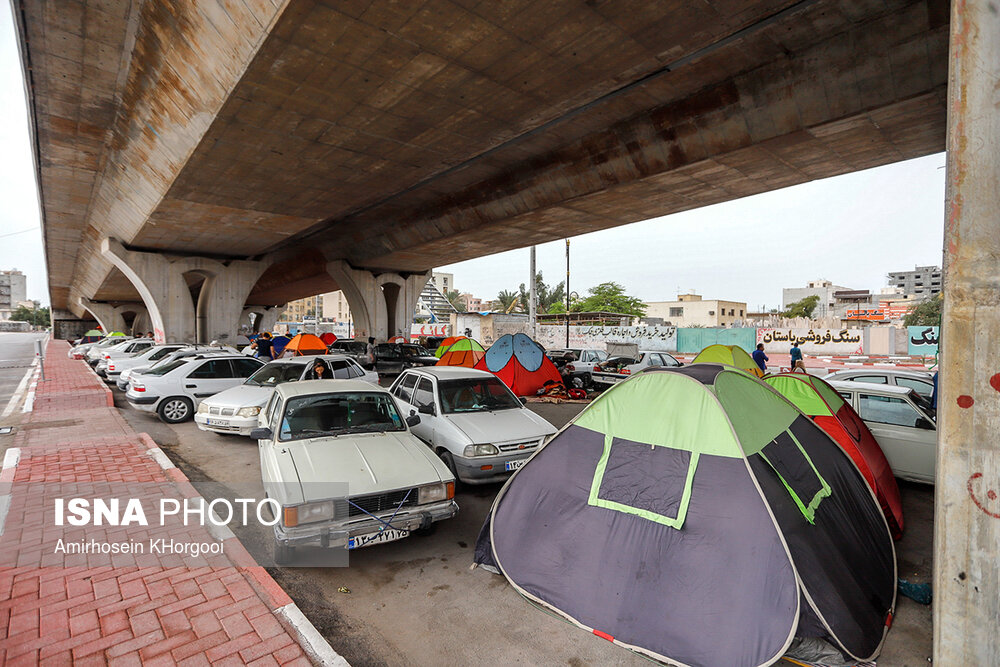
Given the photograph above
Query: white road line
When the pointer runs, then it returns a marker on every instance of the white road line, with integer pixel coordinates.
(29, 400)
(16, 398)
(309, 637)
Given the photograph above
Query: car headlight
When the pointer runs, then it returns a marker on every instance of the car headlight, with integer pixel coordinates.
(202, 408)
(481, 450)
(249, 412)
(433, 493)
(308, 513)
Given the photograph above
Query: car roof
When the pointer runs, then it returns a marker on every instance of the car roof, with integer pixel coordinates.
(308, 358)
(900, 372)
(871, 388)
(450, 372)
(290, 389)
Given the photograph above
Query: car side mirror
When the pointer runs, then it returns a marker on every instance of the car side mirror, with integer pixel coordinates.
(412, 420)
(426, 409)
(924, 424)
(524, 401)
(262, 433)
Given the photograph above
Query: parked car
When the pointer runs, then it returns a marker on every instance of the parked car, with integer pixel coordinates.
(392, 358)
(358, 349)
(95, 351)
(579, 371)
(235, 410)
(146, 357)
(341, 461)
(185, 350)
(470, 419)
(919, 381)
(903, 423)
(173, 390)
(130, 349)
(618, 369)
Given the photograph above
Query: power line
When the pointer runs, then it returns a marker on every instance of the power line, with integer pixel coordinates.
(31, 229)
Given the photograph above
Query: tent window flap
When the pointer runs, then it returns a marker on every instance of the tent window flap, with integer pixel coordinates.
(797, 473)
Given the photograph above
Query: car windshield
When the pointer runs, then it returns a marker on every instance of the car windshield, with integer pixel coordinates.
(339, 413)
(475, 395)
(924, 403)
(274, 374)
(163, 369)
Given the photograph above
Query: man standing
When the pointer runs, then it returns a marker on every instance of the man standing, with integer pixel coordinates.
(264, 347)
(797, 358)
(759, 357)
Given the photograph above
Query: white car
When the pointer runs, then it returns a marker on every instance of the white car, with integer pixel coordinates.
(124, 351)
(903, 423)
(235, 410)
(618, 369)
(94, 352)
(470, 419)
(919, 381)
(147, 357)
(340, 460)
(173, 390)
(181, 350)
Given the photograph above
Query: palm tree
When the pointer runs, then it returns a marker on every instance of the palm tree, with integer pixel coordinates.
(454, 298)
(506, 300)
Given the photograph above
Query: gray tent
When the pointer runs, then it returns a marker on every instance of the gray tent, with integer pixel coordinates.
(696, 516)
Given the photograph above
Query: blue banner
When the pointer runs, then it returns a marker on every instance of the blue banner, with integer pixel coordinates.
(922, 341)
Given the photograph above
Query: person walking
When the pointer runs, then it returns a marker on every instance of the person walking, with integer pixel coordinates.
(759, 357)
(797, 358)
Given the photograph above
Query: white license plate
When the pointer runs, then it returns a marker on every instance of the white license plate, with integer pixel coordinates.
(218, 422)
(514, 465)
(387, 535)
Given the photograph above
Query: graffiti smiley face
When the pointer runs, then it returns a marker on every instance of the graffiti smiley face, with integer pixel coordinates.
(983, 496)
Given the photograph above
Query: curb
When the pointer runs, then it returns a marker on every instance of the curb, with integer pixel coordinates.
(10, 460)
(267, 589)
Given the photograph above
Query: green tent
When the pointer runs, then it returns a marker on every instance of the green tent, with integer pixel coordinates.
(731, 355)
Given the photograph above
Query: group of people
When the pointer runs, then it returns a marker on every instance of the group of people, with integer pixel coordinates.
(796, 360)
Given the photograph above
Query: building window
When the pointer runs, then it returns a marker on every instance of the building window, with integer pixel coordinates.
(741, 312)
(711, 312)
(676, 312)
(731, 312)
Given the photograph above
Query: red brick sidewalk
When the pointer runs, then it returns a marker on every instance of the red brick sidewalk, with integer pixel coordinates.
(57, 608)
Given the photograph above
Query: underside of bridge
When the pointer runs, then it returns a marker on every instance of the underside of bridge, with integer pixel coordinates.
(397, 137)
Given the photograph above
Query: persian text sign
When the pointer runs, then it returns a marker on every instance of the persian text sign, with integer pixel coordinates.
(922, 341)
(812, 341)
(652, 338)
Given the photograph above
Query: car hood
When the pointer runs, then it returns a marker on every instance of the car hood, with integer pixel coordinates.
(368, 463)
(510, 425)
(241, 396)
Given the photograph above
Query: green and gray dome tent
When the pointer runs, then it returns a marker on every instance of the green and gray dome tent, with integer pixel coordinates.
(698, 517)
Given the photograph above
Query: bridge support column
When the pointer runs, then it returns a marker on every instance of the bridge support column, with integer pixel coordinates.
(176, 316)
(107, 315)
(381, 305)
(264, 318)
(967, 508)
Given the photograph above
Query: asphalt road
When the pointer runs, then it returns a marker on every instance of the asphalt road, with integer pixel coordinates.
(17, 350)
(416, 601)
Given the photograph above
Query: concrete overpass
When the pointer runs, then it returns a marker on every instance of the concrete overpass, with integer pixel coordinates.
(202, 160)
(199, 161)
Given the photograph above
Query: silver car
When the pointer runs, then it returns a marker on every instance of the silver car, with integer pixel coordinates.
(903, 423)
(919, 381)
(340, 460)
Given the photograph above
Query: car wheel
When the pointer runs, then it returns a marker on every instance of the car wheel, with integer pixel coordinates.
(175, 409)
(588, 381)
(578, 382)
(449, 461)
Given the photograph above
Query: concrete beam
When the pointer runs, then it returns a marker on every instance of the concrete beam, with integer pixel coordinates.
(967, 507)
(107, 315)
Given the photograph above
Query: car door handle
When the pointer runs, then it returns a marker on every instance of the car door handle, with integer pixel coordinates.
(190, 386)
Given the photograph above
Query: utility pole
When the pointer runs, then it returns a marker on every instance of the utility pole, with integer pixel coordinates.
(567, 292)
(532, 309)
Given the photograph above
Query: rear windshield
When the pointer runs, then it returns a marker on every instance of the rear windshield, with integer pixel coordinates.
(351, 346)
(339, 413)
(475, 395)
(275, 373)
(163, 369)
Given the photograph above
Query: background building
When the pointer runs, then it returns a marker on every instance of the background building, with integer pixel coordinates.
(824, 289)
(444, 282)
(298, 309)
(922, 282)
(13, 290)
(334, 307)
(472, 304)
(432, 306)
(691, 310)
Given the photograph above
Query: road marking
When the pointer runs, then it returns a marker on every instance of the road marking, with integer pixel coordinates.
(309, 637)
(29, 400)
(16, 398)
(10, 459)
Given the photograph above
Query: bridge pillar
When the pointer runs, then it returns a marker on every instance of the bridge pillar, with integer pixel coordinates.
(966, 504)
(175, 313)
(265, 317)
(107, 316)
(381, 305)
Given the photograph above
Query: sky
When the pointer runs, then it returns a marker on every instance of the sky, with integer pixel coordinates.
(851, 230)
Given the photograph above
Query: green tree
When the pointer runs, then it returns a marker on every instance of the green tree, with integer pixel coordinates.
(802, 308)
(505, 300)
(926, 314)
(454, 298)
(36, 316)
(611, 297)
(545, 296)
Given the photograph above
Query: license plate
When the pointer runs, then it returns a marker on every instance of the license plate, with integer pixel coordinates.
(514, 465)
(387, 535)
(218, 422)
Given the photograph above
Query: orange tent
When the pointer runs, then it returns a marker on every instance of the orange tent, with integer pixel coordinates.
(305, 343)
(466, 352)
(445, 344)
